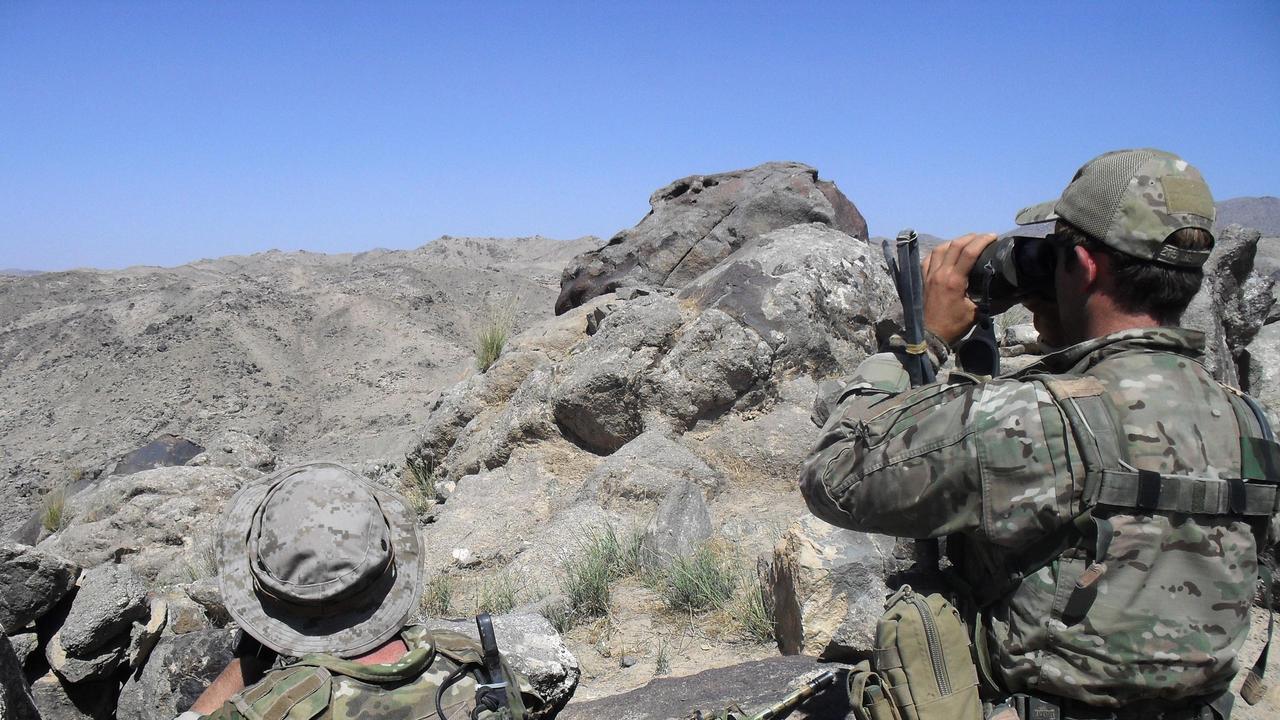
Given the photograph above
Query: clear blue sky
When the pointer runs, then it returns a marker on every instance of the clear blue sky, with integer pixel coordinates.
(162, 132)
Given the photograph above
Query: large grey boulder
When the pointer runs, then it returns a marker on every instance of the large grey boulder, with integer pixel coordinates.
(1264, 365)
(697, 221)
(646, 469)
(1233, 302)
(15, 697)
(814, 294)
(827, 588)
(535, 650)
(31, 582)
(752, 685)
(59, 700)
(110, 599)
(715, 362)
(599, 396)
(681, 525)
(98, 665)
(158, 521)
(25, 646)
(180, 668)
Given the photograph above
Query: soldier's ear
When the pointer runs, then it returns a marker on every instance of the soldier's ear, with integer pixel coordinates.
(1087, 264)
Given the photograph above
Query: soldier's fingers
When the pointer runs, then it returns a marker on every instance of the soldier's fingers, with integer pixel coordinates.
(973, 247)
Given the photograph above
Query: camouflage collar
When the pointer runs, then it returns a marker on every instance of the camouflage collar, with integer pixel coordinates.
(1082, 356)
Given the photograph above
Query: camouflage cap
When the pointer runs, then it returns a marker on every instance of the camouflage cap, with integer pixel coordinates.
(1131, 201)
(314, 558)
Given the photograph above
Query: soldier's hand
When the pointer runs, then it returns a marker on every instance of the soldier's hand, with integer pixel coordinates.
(948, 312)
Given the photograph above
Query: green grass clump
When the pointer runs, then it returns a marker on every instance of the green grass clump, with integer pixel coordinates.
(496, 595)
(437, 596)
(701, 582)
(419, 483)
(53, 509)
(493, 333)
(603, 557)
(750, 613)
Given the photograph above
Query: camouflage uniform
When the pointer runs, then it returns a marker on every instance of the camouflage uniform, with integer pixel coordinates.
(324, 686)
(1007, 466)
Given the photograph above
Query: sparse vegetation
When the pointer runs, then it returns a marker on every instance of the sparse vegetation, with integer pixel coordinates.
(496, 595)
(419, 482)
(749, 613)
(491, 337)
(53, 509)
(202, 561)
(603, 557)
(702, 582)
(662, 663)
(437, 596)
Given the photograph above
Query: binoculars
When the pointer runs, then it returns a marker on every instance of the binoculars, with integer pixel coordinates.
(1013, 268)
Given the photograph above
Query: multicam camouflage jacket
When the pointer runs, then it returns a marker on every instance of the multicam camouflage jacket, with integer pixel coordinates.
(1109, 474)
(325, 687)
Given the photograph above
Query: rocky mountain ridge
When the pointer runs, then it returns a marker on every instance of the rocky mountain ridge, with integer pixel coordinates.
(665, 406)
(318, 355)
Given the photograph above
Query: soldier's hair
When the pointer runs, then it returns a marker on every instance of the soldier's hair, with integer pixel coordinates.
(1140, 286)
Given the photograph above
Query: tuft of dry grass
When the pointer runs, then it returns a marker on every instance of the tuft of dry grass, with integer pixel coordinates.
(493, 333)
(418, 481)
(53, 509)
(437, 596)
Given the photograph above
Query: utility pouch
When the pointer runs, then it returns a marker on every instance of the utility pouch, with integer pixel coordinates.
(869, 696)
(922, 653)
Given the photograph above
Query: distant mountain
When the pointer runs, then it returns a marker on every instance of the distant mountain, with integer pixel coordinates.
(13, 272)
(1262, 213)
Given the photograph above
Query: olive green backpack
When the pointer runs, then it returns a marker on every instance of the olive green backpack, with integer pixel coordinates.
(922, 661)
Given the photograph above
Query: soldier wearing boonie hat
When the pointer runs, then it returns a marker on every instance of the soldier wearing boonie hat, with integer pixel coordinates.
(316, 559)
(1106, 503)
(324, 568)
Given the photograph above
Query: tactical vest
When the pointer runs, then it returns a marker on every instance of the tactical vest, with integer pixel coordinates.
(1145, 592)
(436, 672)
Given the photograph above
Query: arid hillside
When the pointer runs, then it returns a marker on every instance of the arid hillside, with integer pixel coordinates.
(318, 355)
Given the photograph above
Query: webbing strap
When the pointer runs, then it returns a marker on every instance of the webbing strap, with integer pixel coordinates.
(1151, 491)
(886, 658)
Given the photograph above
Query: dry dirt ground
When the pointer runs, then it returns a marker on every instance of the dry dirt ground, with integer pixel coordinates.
(321, 356)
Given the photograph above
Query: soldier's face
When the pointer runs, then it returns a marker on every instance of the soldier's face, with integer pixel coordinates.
(1072, 284)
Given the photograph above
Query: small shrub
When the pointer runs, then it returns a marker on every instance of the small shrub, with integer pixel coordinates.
(437, 596)
(53, 509)
(559, 615)
(419, 483)
(701, 582)
(496, 595)
(602, 558)
(202, 561)
(750, 613)
(662, 663)
(493, 333)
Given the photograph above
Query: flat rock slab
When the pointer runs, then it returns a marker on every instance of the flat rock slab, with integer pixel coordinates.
(752, 685)
(164, 451)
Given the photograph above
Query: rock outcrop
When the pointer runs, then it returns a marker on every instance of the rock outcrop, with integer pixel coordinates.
(827, 588)
(696, 222)
(31, 583)
(1232, 305)
(160, 522)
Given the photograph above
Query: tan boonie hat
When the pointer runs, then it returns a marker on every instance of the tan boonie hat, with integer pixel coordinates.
(1131, 201)
(314, 558)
